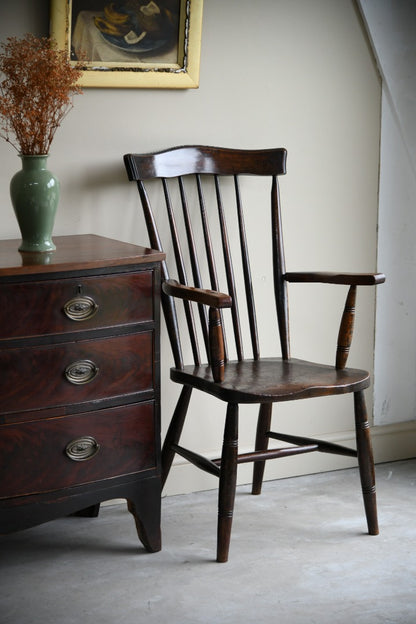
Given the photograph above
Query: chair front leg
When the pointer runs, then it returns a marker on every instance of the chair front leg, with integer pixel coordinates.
(174, 431)
(263, 426)
(228, 482)
(366, 462)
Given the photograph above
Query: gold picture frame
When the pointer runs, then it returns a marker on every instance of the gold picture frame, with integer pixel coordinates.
(111, 38)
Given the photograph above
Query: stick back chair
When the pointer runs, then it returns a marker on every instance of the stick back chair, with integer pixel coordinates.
(239, 379)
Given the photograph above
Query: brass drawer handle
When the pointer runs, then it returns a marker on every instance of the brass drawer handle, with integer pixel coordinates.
(80, 308)
(82, 449)
(81, 372)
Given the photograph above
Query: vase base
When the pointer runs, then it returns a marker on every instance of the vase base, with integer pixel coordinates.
(42, 247)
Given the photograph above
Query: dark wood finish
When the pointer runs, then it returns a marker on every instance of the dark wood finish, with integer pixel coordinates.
(35, 378)
(93, 252)
(127, 445)
(207, 297)
(280, 288)
(254, 381)
(346, 328)
(175, 430)
(320, 445)
(208, 465)
(40, 303)
(251, 308)
(66, 446)
(228, 482)
(262, 441)
(216, 345)
(206, 179)
(357, 279)
(365, 462)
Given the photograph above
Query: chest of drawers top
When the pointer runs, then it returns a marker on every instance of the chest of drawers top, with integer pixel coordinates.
(73, 253)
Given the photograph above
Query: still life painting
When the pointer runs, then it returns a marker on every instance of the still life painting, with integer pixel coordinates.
(131, 43)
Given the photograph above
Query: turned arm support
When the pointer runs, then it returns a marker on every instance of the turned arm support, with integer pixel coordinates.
(347, 321)
(215, 300)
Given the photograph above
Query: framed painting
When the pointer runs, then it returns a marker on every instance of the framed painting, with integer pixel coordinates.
(131, 43)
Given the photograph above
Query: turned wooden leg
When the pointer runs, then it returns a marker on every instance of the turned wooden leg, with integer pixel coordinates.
(174, 431)
(144, 504)
(366, 462)
(228, 482)
(262, 441)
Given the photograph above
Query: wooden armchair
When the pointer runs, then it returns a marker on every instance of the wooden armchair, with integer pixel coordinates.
(241, 379)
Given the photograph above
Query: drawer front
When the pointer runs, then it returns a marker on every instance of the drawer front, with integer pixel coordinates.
(60, 375)
(66, 305)
(36, 456)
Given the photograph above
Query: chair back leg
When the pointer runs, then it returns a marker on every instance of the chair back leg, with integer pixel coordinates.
(174, 432)
(366, 462)
(228, 482)
(262, 441)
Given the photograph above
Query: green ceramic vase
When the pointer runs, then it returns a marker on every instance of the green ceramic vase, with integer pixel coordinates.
(34, 193)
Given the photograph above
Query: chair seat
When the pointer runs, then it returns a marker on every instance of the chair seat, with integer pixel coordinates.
(273, 380)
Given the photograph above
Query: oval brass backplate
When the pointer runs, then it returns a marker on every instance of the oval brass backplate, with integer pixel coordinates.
(81, 372)
(82, 449)
(80, 308)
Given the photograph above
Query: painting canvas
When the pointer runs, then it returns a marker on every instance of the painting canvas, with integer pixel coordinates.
(131, 43)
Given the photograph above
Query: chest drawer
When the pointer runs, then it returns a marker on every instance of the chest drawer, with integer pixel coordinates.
(68, 305)
(48, 376)
(36, 456)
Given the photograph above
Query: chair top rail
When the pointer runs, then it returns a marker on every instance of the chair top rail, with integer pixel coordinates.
(191, 159)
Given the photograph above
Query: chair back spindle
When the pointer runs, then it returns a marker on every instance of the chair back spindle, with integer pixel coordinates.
(229, 270)
(168, 303)
(196, 272)
(251, 308)
(279, 269)
(180, 267)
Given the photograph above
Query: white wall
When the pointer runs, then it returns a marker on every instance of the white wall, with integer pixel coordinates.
(392, 27)
(292, 73)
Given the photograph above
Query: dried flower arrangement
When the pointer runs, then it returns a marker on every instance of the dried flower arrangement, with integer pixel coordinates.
(35, 93)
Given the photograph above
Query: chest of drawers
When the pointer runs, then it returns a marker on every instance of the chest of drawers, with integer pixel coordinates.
(79, 382)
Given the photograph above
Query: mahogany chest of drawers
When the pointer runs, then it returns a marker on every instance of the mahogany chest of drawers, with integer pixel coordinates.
(79, 382)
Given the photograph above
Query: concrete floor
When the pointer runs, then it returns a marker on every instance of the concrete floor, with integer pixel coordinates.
(299, 555)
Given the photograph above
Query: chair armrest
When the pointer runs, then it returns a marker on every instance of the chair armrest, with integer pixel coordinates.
(347, 322)
(215, 300)
(211, 298)
(352, 279)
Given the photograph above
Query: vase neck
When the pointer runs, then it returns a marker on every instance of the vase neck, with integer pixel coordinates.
(34, 161)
